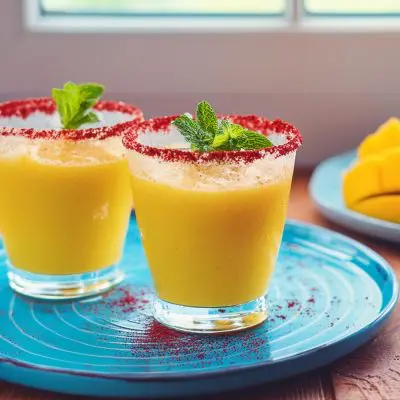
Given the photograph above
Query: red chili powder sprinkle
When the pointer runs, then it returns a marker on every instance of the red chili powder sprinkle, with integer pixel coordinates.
(156, 332)
(127, 301)
(282, 317)
(256, 343)
(292, 304)
(311, 300)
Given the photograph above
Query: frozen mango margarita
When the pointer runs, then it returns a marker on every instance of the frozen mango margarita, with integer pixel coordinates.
(372, 185)
(210, 198)
(65, 198)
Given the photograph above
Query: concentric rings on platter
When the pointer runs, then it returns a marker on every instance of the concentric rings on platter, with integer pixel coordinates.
(324, 290)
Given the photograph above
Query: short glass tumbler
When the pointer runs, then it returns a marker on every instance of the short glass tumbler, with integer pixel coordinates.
(65, 198)
(211, 223)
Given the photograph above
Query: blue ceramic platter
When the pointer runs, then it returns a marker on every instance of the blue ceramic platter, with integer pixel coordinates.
(329, 295)
(326, 191)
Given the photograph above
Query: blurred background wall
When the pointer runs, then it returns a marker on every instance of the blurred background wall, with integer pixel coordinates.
(335, 84)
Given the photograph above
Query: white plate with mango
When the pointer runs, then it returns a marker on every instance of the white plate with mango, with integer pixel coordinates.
(361, 189)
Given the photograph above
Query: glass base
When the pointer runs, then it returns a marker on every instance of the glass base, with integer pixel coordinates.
(211, 320)
(62, 287)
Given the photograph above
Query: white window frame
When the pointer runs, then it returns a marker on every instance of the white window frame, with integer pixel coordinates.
(37, 22)
(335, 78)
(293, 21)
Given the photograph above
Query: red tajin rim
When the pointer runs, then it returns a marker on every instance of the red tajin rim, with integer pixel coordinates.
(253, 122)
(46, 105)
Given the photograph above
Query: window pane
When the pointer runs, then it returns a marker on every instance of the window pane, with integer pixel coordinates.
(165, 7)
(352, 7)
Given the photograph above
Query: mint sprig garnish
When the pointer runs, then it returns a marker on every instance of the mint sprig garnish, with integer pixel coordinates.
(75, 101)
(207, 133)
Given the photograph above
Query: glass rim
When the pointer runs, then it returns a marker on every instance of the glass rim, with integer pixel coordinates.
(250, 121)
(26, 107)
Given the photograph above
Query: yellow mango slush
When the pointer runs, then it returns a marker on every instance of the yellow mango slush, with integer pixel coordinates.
(211, 248)
(66, 207)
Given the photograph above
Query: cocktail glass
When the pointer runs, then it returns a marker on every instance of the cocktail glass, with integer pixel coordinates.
(211, 223)
(65, 198)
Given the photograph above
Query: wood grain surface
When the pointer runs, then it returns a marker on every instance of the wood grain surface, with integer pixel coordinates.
(370, 373)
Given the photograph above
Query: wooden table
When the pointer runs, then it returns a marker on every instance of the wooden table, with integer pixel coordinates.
(371, 373)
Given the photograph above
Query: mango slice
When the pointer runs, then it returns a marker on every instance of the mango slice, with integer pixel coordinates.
(372, 185)
(386, 137)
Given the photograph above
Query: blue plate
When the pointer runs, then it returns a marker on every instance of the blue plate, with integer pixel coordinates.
(326, 191)
(329, 295)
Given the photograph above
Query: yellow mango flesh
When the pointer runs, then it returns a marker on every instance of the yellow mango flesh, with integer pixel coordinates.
(386, 137)
(386, 207)
(372, 185)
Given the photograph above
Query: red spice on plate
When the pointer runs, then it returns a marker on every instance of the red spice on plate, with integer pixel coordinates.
(156, 332)
(292, 303)
(126, 299)
(311, 300)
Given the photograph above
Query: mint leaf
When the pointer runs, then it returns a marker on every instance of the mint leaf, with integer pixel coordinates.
(235, 137)
(74, 102)
(71, 103)
(85, 119)
(198, 138)
(223, 125)
(250, 140)
(60, 99)
(221, 140)
(235, 131)
(90, 93)
(207, 118)
(188, 128)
